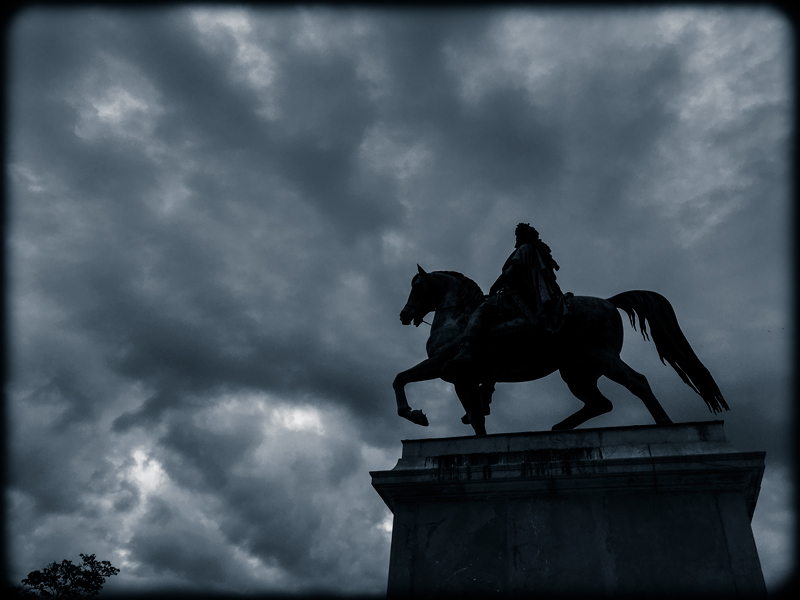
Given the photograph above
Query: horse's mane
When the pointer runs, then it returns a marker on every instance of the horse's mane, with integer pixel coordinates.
(470, 292)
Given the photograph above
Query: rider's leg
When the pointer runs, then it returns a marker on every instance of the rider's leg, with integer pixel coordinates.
(473, 329)
(485, 392)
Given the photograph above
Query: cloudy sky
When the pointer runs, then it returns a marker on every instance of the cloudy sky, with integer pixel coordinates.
(213, 220)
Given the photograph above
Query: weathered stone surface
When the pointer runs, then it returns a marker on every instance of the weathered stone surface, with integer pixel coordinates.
(659, 509)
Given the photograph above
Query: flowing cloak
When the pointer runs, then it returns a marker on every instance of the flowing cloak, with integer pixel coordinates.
(529, 275)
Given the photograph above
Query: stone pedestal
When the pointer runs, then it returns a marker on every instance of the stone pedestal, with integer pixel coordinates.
(660, 509)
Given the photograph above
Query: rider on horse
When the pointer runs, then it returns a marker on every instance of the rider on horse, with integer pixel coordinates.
(527, 285)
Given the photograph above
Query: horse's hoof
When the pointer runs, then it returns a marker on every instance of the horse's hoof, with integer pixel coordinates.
(561, 427)
(415, 416)
(418, 417)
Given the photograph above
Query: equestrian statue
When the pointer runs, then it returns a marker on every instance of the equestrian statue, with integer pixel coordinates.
(526, 329)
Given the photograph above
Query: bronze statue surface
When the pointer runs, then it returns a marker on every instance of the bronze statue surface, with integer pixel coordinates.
(585, 347)
(526, 289)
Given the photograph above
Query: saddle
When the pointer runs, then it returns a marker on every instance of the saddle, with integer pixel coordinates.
(511, 322)
(511, 325)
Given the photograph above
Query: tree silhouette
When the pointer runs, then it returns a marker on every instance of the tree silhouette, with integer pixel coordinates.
(67, 580)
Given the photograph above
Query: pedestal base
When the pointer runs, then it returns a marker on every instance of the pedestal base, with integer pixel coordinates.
(649, 509)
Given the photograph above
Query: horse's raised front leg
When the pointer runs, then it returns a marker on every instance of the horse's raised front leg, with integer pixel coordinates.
(424, 371)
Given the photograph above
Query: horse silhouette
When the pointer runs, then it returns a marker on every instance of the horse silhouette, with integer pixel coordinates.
(585, 348)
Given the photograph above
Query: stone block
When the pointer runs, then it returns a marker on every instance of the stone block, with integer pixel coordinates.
(659, 509)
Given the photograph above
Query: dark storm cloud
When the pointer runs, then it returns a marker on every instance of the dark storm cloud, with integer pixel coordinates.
(214, 221)
(163, 547)
(200, 459)
(325, 112)
(313, 148)
(157, 335)
(282, 495)
(502, 141)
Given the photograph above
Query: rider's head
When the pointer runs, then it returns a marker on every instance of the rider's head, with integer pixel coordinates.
(525, 233)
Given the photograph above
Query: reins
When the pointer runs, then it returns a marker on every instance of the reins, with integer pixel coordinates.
(442, 308)
(445, 308)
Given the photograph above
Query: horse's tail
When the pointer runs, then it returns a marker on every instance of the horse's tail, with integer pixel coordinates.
(670, 342)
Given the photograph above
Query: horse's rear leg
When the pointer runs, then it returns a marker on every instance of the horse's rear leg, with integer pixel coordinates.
(584, 388)
(616, 370)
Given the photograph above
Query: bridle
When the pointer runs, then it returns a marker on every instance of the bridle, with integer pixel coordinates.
(438, 285)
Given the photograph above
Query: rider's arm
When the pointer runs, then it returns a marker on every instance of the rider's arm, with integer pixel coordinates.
(514, 269)
(518, 264)
(497, 285)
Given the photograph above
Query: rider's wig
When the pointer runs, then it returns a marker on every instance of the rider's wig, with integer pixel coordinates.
(526, 232)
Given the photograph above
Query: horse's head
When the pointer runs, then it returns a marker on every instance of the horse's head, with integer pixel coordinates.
(425, 296)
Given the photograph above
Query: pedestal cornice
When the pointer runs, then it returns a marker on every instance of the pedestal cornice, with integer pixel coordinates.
(664, 458)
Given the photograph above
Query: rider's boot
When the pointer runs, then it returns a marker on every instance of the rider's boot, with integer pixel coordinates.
(462, 365)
